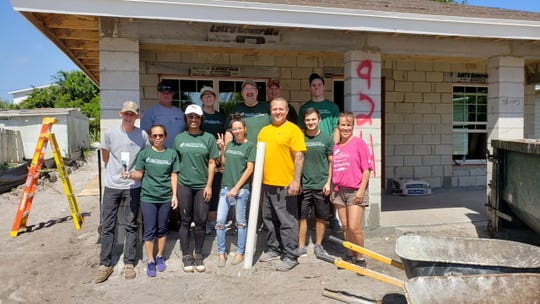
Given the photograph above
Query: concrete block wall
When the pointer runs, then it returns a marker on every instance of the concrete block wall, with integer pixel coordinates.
(529, 112)
(292, 70)
(418, 124)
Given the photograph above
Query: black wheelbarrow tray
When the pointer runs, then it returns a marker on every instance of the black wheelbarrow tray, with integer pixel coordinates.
(480, 273)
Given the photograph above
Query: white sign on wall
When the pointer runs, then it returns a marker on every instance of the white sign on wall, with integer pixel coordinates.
(243, 34)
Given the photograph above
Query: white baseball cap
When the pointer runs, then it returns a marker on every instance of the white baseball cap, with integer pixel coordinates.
(194, 109)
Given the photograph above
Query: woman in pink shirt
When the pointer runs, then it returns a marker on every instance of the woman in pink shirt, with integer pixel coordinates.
(351, 167)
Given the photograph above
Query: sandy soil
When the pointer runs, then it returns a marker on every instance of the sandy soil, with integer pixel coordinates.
(52, 262)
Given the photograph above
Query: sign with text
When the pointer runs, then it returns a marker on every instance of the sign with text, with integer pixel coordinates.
(243, 34)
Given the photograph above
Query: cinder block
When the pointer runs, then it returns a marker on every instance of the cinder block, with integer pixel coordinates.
(431, 160)
(423, 108)
(422, 87)
(394, 161)
(405, 65)
(404, 171)
(413, 160)
(403, 86)
(412, 139)
(416, 76)
(301, 73)
(404, 108)
(433, 139)
(432, 97)
(394, 97)
(431, 119)
(286, 61)
(171, 56)
(307, 61)
(434, 76)
(423, 66)
(404, 149)
(285, 73)
(413, 97)
(399, 75)
(423, 150)
(264, 60)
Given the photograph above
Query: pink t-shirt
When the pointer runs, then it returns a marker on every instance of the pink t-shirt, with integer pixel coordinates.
(348, 163)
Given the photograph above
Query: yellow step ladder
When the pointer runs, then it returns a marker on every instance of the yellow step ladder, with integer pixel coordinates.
(32, 178)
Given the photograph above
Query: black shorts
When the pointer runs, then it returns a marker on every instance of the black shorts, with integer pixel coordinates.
(314, 199)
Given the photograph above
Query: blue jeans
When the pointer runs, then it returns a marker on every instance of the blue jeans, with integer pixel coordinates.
(240, 203)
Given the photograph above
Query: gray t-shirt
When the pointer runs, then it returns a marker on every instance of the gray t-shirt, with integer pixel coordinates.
(123, 149)
(171, 118)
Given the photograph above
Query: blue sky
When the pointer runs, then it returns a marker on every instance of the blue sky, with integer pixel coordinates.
(29, 59)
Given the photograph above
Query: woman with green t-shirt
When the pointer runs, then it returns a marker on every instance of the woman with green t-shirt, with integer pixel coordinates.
(158, 167)
(238, 157)
(198, 152)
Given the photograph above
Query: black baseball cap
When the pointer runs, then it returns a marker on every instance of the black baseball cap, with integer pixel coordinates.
(163, 87)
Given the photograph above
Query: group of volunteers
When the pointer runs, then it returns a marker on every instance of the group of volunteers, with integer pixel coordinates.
(198, 164)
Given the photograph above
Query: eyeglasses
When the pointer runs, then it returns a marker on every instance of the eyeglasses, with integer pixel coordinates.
(158, 135)
(193, 117)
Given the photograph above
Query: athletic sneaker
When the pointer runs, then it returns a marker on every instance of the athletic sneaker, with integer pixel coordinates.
(199, 264)
(160, 263)
(151, 269)
(189, 263)
(319, 250)
(286, 265)
(359, 262)
(269, 256)
(302, 252)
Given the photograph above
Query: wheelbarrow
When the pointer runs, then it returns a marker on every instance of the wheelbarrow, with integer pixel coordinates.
(480, 286)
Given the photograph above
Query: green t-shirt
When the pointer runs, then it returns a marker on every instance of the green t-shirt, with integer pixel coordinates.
(157, 167)
(315, 170)
(236, 158)
(214, 123)
(256, 118)
(329, 115)
(194, 152)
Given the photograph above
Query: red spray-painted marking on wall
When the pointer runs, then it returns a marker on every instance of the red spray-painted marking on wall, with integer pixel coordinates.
(363, 70)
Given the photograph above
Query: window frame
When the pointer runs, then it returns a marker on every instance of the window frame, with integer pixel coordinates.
(468, 126)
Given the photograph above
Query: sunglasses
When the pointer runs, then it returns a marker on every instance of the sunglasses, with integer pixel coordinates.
(193, 117)
(158, 135)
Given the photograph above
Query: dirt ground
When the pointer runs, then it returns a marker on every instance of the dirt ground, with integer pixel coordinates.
(51, 262)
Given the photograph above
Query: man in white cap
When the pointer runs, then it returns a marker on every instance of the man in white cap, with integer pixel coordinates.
(119, 149)
(165, 114)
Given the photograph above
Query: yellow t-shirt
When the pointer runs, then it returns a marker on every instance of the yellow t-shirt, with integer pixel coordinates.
(280, 142)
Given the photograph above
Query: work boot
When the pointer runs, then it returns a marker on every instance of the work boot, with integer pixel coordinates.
(129, 272)
(104, 272)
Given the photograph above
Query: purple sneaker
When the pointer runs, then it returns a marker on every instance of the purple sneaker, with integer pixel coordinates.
(160, 263)
(151, 269)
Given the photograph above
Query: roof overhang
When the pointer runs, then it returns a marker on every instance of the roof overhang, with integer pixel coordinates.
(288, 15)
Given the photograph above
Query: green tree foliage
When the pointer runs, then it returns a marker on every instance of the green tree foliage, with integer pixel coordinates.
(70, 90)
(4, 105)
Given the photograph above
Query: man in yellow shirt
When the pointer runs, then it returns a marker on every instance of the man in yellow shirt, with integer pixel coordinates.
(282, 173)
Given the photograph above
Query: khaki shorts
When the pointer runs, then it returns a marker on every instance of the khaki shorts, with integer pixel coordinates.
(345, 197)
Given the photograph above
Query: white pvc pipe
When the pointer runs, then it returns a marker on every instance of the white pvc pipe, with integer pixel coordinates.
(251, 240)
